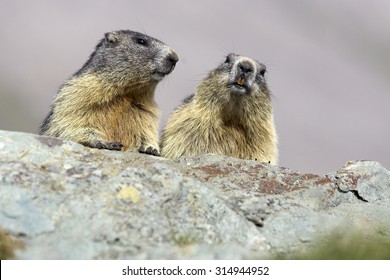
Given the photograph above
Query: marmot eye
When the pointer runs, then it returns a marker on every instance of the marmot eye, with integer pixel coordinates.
(142, 41)
(227, 60)
(262, 72)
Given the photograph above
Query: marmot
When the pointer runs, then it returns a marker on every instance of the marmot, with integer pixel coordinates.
(109, 103)
(229, 114)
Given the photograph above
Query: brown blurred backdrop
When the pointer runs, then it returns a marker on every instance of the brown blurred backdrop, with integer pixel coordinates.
(328, 63)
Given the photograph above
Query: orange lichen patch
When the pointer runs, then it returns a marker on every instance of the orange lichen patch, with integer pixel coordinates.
(320, 181)
(213, 171)
(259, 177)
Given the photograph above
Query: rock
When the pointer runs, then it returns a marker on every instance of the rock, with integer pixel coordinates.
(66, 201)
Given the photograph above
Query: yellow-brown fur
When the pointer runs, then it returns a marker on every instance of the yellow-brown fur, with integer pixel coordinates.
(217, 121)
(113, 118)
(110, 103)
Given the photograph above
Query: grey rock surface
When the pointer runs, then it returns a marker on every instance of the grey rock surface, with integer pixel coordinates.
(66, 201)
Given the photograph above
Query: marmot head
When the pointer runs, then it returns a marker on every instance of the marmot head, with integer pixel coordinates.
(237, 78)
(236, 89)
(245, 75)
(128, 58)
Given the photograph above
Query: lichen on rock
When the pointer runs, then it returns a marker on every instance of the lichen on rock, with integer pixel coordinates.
(65, 201)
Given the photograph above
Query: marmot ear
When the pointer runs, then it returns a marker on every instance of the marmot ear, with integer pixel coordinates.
(111, 37)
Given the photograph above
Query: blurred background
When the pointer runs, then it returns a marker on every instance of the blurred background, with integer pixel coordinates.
(328, 63)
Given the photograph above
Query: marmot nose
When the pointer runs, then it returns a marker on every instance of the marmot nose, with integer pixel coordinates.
(173, 58)
(245, 67)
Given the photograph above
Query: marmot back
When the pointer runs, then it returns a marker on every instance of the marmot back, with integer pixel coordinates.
(109, 103)
(229, 114)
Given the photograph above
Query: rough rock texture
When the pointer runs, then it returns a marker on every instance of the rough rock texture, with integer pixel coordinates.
(62, 200)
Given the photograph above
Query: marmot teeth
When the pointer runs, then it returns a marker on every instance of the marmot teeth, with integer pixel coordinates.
(241, 81)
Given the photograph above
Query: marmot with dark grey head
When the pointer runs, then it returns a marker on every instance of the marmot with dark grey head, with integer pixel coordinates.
(109, 103)
(229, 114)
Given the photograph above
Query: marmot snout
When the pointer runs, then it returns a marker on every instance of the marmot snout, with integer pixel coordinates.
(242, 76)
(230, 114)
(109, 103)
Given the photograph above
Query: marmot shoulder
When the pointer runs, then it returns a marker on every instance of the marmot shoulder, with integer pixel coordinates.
(109, 103)
(229, 114)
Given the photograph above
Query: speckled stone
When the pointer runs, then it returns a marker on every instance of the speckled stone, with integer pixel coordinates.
(66, 201)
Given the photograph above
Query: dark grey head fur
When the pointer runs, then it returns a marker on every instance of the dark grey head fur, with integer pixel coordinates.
(128, 54)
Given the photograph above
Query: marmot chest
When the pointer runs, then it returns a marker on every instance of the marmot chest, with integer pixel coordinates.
(126, 121)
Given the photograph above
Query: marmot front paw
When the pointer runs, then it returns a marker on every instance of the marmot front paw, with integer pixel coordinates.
(149, 150)
(116, 146)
